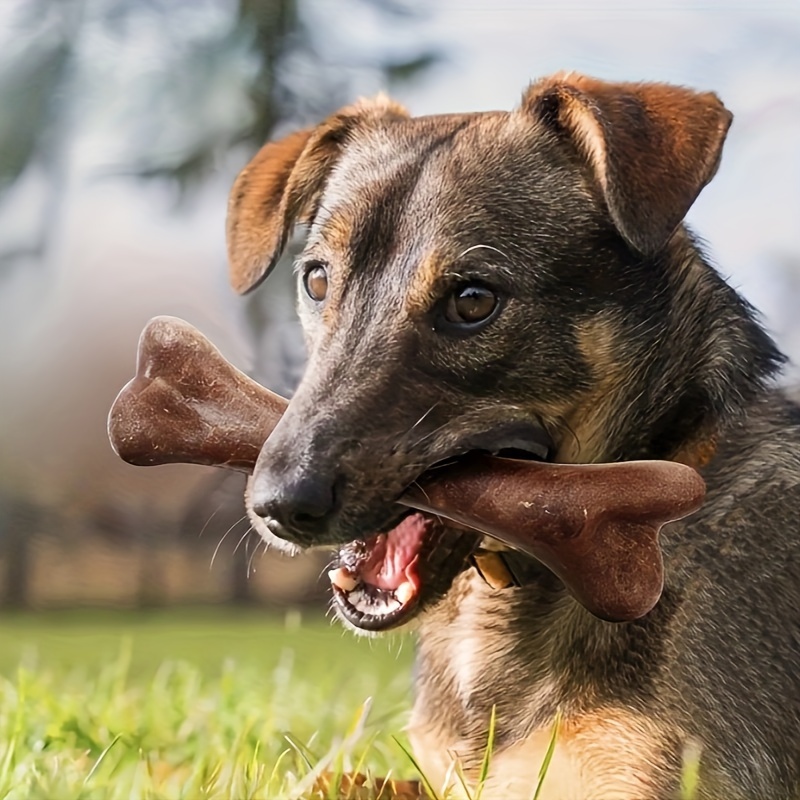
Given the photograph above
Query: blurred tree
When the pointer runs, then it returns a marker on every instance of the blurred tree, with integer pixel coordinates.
(20, 521)
(222, 74)
(35, 70)
(225, 76)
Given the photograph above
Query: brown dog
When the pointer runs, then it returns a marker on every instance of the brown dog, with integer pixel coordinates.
(521, 282)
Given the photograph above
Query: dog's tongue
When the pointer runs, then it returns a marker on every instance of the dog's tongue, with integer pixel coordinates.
(388, 561)
(392, 558)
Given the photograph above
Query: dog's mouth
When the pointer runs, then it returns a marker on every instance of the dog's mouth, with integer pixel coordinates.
(383, 581)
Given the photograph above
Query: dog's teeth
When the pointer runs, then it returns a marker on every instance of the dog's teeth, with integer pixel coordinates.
(360, 601)
(404, 592)
(342, 579)
(374, 605)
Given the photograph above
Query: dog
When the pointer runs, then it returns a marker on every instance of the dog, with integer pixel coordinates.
(522, 282)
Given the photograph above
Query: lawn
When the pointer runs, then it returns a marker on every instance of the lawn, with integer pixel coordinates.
(180, 704)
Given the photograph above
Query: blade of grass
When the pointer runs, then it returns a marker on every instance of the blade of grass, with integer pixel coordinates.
(99, 760)
(301, 750)
(487, 753)
(360, 765)
(462, 779)
(11, 748)
(548, 756)
(690, 771)
(359, 723)
(433, 793)
(274, 774)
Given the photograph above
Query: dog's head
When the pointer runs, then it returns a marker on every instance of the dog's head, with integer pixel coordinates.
(468, 282)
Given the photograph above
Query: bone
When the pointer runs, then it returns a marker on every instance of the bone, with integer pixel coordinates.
(596, 526)
(187, 404)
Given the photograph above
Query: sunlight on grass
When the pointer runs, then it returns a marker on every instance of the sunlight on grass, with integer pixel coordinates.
(193, 707)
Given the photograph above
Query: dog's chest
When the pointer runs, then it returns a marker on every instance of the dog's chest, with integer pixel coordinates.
(471, 659)
(476, 655)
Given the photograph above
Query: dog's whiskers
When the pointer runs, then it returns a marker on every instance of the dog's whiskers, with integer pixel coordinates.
(253, 554)
(430, 433)
(401, 442)
(423, 417)
(417, 484)
(224, 536)
(483, 247)
(243, 537)
(208, 521)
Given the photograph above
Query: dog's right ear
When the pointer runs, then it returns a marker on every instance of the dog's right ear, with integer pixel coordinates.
(282, 185)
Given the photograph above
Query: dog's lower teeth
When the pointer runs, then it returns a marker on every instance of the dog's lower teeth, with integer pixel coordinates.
(373, 605)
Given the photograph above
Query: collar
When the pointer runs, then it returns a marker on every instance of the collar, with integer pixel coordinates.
(503, 569)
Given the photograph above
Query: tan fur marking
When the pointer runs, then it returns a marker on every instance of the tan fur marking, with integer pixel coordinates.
(591, 419)
(330, 310)
(336, 234)
(423, 290)
(607, 754)
(697, 454)
(279, 186)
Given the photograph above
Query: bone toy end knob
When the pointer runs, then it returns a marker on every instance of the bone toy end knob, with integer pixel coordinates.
(187, 404)
(596, 526)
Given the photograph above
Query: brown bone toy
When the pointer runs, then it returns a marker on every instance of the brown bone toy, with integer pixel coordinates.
(596, 526)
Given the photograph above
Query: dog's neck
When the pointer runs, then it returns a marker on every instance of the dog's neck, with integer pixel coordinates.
(689, 405)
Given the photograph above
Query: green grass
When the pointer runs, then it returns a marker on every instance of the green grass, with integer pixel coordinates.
(220, 704)
(212, 704)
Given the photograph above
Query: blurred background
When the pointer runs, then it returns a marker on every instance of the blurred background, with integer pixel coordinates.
(122, 126)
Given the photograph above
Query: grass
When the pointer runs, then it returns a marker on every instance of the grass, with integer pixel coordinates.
(186, 705)
(214, 704)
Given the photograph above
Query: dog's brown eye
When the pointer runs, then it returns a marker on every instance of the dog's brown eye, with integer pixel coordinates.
(470, 305)
(316, 282)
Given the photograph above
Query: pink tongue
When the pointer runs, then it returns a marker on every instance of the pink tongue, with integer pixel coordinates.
(393, 556)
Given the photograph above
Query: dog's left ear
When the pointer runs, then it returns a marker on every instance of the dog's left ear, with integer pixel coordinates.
(282, 185)
(652, 146)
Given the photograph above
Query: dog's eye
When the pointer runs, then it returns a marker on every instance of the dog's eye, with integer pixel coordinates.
(315, 281)
(470, 305)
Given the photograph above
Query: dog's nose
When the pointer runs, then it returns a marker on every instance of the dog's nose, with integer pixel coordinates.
(301, 504)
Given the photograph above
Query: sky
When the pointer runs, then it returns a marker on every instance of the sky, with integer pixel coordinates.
(123, 255)
(748, 53)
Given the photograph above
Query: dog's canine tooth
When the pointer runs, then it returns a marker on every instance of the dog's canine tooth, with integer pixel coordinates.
(404, 592)
(342, 579)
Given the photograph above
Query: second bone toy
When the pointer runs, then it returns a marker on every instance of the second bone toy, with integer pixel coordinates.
(596, 526)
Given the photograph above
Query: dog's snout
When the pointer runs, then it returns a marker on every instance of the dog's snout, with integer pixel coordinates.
(301, 504)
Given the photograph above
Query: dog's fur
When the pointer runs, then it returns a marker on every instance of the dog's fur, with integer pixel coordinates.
(619, 337)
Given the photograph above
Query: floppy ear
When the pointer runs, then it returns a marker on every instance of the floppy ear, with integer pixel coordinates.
(282, 185)
(652, 146)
